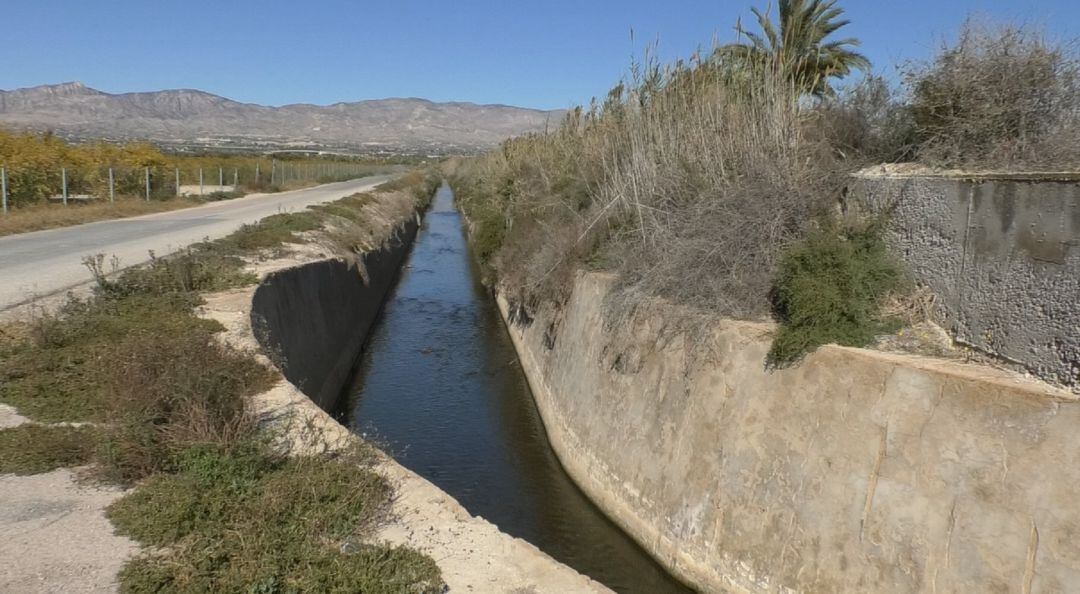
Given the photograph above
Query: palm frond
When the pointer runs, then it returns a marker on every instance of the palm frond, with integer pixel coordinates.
(797, 42)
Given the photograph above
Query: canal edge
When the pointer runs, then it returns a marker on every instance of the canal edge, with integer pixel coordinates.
(473, 554)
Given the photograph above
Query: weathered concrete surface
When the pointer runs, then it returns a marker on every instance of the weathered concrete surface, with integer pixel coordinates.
(1002, 253)
(314, 318)
(54, 536)
(473, 555)
(856, 471)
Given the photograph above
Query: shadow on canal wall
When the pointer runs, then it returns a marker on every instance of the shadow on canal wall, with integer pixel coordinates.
(315, 318)
(855, 471)
(318, 314)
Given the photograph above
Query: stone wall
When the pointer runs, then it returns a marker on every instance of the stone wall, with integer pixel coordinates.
(856, 471)
(1002, 253)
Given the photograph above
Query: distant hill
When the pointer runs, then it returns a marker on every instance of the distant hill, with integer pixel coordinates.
(190, 118)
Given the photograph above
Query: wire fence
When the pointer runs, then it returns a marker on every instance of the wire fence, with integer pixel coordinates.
(71, 184)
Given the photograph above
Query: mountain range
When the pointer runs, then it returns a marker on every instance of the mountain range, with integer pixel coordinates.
(186, 118)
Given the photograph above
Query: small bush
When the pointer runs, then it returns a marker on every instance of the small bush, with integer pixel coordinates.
(170, 393)
(830, 289)
(248, 520)
(186, 272)
(61, 371)
(1000, 97)
(33, 449)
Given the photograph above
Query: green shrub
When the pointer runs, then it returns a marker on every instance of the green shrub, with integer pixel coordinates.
(249, 520)
(269, 233)
(830, 289)
(219, 196)
(188, 271)
(488, 234)
(62, 371)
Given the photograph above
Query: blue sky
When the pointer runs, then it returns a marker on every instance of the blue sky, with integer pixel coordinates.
(546, 55)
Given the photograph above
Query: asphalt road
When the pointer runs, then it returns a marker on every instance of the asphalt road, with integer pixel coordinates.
(42, 263)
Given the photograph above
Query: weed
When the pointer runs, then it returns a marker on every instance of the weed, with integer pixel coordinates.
(687, 180)
(174, 392)
(61, 371)
(35, 217)
(32, 449)
(269, 233)
(249, 519)
(830, 289)
(188, 271)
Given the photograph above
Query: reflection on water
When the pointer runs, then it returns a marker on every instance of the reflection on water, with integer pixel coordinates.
(440, 388)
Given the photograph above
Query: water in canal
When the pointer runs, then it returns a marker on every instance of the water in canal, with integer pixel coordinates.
(440, 388)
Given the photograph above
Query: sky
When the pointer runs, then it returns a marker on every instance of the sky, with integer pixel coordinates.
(547, 55)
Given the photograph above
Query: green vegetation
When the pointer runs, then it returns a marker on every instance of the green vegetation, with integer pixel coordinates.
(272, 232)
(703, 181)
(799, 47)
(64, 371)
(33, 449)
(34, 165)
(34, 162)
(247, 520)
(830, 288)
(223, 508)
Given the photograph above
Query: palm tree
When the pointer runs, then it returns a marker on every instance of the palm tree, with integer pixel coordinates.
(798, 47)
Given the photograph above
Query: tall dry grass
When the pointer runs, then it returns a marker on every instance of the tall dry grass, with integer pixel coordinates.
(691, 180)
(1001, 96)
(687, 179)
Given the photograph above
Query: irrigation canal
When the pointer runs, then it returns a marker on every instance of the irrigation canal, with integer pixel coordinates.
(439, 387)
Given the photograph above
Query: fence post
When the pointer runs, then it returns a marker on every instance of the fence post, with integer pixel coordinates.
(63, 180)
(177, 182)
(147, 184)
(3, 187)
(256, 173)
(220, 177)
(200, 182)
(235, 178)
(112, 186)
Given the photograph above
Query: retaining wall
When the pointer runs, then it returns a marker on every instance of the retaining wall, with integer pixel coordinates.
(856, 471)
(1001, 252)
(314, 319)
